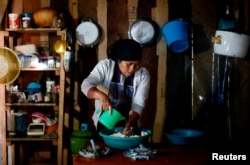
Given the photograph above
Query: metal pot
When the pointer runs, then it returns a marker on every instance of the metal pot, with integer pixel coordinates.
(231, 44)
(144, 31)
(88, 33)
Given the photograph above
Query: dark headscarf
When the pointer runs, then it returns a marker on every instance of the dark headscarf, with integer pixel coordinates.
(127, 50)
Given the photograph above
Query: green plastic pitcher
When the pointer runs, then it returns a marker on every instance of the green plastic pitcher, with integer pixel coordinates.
(109, 120)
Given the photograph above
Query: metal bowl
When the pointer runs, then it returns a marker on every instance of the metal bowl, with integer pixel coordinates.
(184, 136)
(123, 143)
(10, 65)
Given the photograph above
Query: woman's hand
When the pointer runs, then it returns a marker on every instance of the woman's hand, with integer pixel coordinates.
(105, 103)
(128, 130)
(133, 117)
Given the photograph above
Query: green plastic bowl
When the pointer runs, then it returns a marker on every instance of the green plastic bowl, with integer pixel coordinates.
(122, 143)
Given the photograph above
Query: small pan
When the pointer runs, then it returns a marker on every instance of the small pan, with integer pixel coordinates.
(145, 31)
(88, 33)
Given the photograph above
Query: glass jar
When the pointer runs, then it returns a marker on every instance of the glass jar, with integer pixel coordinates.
(58, 62)
(51, 62)
(26, 20)
(47, 97)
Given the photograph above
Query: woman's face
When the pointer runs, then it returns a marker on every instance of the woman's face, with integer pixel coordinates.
(128, 68)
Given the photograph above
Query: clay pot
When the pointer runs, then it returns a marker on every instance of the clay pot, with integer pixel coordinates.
(43, 17)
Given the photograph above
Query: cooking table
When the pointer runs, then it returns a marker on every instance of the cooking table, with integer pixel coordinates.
(166, 154)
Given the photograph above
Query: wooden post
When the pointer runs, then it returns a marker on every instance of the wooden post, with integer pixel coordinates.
(61, 157)
(3, 114)
(73, 8)
(44, 38)
(132, 11)
(161, 17)
(102, 21)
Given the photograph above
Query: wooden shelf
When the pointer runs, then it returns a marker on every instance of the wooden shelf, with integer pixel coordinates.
(30, 138)
(8, 142)
(40, 69)
(31, 104)
(56, 70)
(34, 30)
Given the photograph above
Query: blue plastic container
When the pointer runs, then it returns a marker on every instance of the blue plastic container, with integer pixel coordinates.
(184, 136)
(123, 143)
(176, 34)
(26, 20)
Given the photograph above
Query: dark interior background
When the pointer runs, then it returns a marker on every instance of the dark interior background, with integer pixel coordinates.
(192, 76)
(205, 112)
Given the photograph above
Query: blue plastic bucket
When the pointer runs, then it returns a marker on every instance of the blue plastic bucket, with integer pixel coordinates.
(176, 34)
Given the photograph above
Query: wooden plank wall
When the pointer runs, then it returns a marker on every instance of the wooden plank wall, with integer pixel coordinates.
(161, 17)
(102, 11)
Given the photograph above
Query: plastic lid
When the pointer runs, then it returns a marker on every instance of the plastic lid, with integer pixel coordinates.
(25, 56)
(26, 15)
(26, 18)
(34, 87)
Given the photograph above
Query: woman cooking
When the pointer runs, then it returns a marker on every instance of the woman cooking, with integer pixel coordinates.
(120, 82)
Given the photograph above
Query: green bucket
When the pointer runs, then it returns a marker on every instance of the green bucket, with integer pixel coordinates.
(78, 140)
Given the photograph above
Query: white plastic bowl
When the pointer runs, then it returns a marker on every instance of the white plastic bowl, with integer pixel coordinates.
(26, 49)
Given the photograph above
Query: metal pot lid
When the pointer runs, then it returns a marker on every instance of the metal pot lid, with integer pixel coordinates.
(142, 31)
(87, 33)
(10, 66)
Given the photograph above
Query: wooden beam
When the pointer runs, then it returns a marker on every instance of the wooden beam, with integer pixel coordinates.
(102, 12)
(45, 3)
(17, 6)
(3, 7)
(61, 159)
(161, 17)
(3, 114)
(73, 8)
(132, 11)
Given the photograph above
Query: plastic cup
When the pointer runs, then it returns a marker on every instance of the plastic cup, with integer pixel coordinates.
(109, 120)
(14, 20)
(49, 85)
(54, 97)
